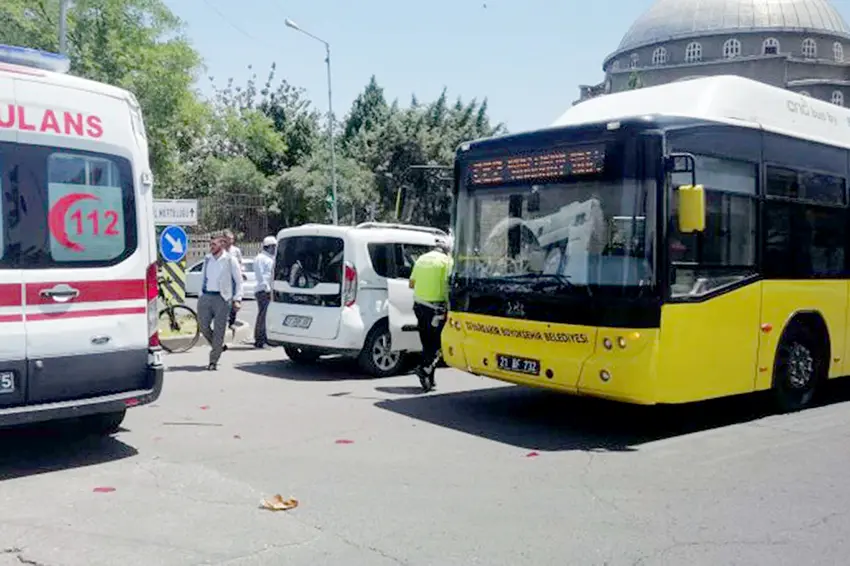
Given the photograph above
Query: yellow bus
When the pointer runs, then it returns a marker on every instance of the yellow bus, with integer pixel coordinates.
(664, 245)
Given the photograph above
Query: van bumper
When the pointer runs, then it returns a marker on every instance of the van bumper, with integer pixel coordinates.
(30, 414)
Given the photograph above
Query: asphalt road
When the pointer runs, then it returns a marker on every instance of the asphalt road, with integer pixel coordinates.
(476, 473)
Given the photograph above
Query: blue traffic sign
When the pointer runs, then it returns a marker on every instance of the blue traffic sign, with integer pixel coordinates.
(173, 243)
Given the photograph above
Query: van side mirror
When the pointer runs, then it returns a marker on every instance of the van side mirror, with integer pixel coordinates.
(691, 208)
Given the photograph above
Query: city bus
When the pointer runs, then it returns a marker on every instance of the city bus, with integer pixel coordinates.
(659, 246)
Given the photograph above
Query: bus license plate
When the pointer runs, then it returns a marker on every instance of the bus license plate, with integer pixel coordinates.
(7, 382)
(296, 321)
(518, 365)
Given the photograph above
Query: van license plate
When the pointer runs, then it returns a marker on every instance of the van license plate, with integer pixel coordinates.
(518, 365)
(296, 321)
(7, 382)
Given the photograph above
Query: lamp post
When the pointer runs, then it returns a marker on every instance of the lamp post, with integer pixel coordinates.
(290, 24)
(63, 26)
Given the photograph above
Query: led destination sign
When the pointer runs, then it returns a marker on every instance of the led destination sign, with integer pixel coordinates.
(538, 166)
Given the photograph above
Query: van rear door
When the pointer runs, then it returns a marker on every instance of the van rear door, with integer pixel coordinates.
(83, 254)
(308, 286)
(13, 367)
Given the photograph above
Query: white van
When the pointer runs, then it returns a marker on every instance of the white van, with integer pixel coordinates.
(78, 290)
(344, 290)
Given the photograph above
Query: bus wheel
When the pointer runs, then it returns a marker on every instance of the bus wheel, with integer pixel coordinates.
(799, 370)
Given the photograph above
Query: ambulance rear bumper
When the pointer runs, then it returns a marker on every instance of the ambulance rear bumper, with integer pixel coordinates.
(112, 403)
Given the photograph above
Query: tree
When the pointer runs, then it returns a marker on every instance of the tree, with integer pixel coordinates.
(635, 81)
(138, 45)
(425, 134)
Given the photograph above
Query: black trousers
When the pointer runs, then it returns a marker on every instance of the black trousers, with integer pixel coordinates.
(263, 300)
(429, 334)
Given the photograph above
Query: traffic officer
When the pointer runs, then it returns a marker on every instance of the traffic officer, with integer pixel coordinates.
(263, 265)
(429, 281)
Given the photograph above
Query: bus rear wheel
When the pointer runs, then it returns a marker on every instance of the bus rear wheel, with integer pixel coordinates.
(800, 369)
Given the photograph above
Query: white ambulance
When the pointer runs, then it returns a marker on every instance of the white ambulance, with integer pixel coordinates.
(78, 288)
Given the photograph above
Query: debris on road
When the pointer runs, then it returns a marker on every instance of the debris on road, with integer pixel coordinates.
(103, 489)
(278, 503)
(532, 455)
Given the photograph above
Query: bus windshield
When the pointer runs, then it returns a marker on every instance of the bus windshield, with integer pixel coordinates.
(571, 233)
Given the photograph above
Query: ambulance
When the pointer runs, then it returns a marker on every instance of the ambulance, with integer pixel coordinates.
(78, 278)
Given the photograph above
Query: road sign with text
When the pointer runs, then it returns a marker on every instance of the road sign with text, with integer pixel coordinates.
(183, 212)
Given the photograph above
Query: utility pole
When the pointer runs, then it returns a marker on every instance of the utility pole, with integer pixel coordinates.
(63, 26)
(334, 208)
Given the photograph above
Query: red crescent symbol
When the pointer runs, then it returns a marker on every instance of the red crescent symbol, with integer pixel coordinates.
(57, 215)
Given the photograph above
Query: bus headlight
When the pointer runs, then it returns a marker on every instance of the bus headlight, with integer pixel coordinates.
(621, 342)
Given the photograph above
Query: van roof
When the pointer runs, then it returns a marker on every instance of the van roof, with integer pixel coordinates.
(315, 228)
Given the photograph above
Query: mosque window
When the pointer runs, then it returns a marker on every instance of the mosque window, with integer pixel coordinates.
(810, 48)
(770, 46)
(659, 56)
(838, 51)
(693, 53)
(633, 62)
(731, 49)
(838, 98)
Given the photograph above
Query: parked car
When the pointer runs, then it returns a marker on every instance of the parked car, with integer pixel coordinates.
(344, 290)
(194, 281)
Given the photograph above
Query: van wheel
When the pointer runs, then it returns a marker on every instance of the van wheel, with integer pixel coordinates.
(103, 424)
(799, 370)
(377, 358)
(301, 355)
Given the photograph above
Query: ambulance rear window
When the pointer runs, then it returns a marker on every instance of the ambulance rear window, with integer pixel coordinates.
(79, 208)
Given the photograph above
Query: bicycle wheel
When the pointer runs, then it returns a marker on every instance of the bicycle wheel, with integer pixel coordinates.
(178, 328)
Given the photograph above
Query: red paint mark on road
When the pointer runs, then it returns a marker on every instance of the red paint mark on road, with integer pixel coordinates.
(103, 489)
(532, 455)
(205, 407)
(344, 441)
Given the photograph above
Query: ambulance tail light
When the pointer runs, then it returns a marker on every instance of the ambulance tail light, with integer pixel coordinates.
(152, 290)
(349, 284)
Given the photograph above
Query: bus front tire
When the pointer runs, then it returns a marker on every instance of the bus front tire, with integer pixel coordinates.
(800, 368)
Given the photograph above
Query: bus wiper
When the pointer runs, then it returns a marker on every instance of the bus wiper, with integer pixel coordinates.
(557, 280)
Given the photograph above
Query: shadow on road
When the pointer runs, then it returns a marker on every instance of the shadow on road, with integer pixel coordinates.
(41, 449)
(333, 369)
(539, 420)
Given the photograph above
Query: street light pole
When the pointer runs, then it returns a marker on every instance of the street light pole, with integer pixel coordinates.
(63, 26)
(334, 210)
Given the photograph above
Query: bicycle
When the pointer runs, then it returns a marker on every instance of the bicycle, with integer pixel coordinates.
(177, 319)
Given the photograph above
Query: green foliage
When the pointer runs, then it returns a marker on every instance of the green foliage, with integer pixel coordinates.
(635, 80)
(263, 140)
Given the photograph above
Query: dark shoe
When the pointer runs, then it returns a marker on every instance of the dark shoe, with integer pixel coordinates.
(224, 348)
(212, 367)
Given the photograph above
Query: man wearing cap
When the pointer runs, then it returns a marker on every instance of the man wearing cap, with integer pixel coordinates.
(429, 281)
(263, 265)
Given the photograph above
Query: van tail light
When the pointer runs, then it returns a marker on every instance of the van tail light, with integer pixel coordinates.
(152, 290)
(349, 284)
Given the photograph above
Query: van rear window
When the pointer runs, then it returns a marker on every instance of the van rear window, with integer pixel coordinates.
(306, 261)
(72, 208)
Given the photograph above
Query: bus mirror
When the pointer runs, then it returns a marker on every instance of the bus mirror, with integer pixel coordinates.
(691, 208)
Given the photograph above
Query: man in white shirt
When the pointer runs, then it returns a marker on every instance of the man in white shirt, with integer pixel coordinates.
(230, 247)
(263, 264)
(221, 291)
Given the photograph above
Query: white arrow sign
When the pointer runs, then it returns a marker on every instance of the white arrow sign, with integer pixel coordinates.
(176, 245)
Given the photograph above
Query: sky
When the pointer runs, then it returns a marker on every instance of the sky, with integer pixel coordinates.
(526, 57)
